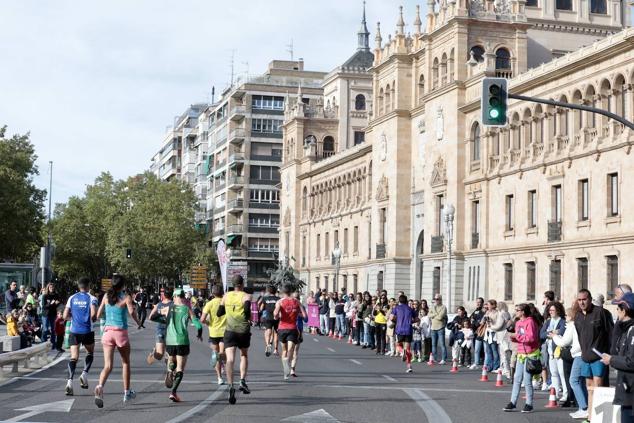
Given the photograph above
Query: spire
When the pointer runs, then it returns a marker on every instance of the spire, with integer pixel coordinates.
(400, 24)
(418, 23)
(378, 39)
(300, 96)
(363, 35)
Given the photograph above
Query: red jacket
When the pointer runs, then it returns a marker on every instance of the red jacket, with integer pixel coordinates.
(526, 336)
(60, 326)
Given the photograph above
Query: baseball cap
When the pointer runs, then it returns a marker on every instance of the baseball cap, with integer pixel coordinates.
(627, 300)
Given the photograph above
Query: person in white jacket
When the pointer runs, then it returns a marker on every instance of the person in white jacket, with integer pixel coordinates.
(570, 339)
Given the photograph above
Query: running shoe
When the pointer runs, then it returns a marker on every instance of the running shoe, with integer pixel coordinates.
(509, 407)
(99, 396)
(232, 395)
(244, 388)
(293, 374)
(579, 414)
(442, 362)
(276, 353)
(214, 359)
(267, 350)
(175, 398)
(150, 358)
(69, 388)
(221, 381)
(128, 396)
(409, 370)
(527, 409)
(83, 380)
(169, 379)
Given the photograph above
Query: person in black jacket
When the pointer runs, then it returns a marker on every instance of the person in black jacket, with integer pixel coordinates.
(623, 358)
(476, 318)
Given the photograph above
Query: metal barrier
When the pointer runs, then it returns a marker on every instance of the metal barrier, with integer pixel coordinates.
(38, 352)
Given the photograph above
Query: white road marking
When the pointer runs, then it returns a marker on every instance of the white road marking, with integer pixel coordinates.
(390, 378)
(200, 407)
(434, 412)
(470, 391)
(315, 339)
(317, 416)
(356, 361)
(330, 349)
(34, 410)
(49, 365)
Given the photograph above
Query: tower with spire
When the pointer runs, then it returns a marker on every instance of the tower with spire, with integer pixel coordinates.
(363, 35)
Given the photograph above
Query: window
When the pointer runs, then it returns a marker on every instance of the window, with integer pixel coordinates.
(584, 200)
(564, 4)
(303, 250)
(267, 102)
(264, 220)
(582, 273)
(436, 281)
(265, 173)
(327, 245)
(345, 241)
(613, 194)
(613, 274)
(532, 3)
(264, 196)
(508, 282)
(555, 278)
(355, 242)
(556, 203)
(264, 244)
(478, 54)
(336, 240)
(355, 281)
(475, 140)
(329, 146)
(269, 126)
(475, 216)
(359, 137)
(530, 281)
(502, 59)
(598, 6)
(318, 246)
(317, 287)
(439, 206)
(532, 209)
(359, 102)
(383, 217)
(509, 212)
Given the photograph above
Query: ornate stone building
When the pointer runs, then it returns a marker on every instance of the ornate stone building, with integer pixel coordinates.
(538, 204)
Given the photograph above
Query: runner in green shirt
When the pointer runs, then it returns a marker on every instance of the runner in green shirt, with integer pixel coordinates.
(177, 339)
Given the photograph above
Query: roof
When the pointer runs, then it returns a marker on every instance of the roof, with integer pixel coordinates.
(360, 59)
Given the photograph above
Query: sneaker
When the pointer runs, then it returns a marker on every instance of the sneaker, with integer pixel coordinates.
(221, 381)
(442, 362)
(267, 350)
(214, 359)
(293, 374)
(174, 398)
(545, 387)
(169, 379)
(83, 380)
(128, 396)
(286, 368)
(527, 408)
(150, 358)
(535, 384)
(509, 407)
(244, 388)
(99, 396)
(409, 370)
(579, 414)
(276, 353)
(473, 367)
(232, 395)
(69, 388)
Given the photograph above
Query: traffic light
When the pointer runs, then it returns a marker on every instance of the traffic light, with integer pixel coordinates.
(128, 253)
(493, 102)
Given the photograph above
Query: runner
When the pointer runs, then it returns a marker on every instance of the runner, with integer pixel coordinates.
(404, 316)
(216, 330)
(300, 336)
(158, 352)
(81, 310)
(141, 302)
(176, 317)
(118, 305)
(236, 305)
(286, 310)
(267, 307)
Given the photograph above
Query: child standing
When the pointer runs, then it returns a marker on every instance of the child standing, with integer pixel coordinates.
(417, 343)
(60, 329)
(467, 342)
(425, 332)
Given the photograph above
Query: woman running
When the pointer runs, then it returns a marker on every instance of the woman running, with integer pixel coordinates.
(118, 305)
(158, 352)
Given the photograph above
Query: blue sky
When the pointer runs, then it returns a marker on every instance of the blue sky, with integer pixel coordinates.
(96, 83)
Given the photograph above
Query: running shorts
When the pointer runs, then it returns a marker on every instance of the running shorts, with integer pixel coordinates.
(271, 324)
(174, 350)
(81, 338)
(216, 341)
(160, 336)
(240, 340)
(404, 338)
(114, 337)
(300, 336)
(288, 335)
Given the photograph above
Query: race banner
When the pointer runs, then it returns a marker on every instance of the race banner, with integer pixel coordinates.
(313, 315)
(223, 261)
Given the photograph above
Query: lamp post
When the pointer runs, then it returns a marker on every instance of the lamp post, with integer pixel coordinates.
(448, 212)
(336, 255)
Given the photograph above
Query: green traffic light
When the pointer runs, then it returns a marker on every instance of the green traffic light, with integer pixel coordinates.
(494, 113)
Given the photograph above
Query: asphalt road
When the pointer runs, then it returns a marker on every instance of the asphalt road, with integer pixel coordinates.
(337, 383)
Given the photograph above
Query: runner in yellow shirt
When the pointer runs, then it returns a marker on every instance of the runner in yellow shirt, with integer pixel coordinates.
(216, 330)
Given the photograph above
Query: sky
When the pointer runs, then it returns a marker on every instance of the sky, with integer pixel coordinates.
(97, 83)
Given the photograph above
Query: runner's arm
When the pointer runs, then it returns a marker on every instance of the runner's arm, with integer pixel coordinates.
(102, 305)
(131, 310)
(153, 312)
(66, 315)
(278, 309)
(302, 310)
(197, 325)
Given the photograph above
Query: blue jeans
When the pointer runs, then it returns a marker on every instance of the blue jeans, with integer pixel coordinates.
(366, 334)
(48, 329)
(323, 324)
(341, 324)
(578, 384)
(521, 375)
(478, 350)
(492, 356)
(438, 339)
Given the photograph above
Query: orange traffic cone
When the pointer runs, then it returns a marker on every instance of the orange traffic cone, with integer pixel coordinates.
(552, 399)
(431, 360)
(485, 374)
(499, 381)
(350, 339)
(454, 366)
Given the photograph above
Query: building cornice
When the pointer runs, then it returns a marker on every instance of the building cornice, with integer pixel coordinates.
(394, 113)
(336, 160)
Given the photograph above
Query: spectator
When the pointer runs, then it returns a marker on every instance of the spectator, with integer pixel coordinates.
(466, 344)
(555, 325)
(332, 313)
(60, 329)
(571, 355)
(141, 300)
(358, 319)
(12, 323)
(381, 310)
(340, 316)
(21, 296)
(456, 336)
(425, 331)
(367, 320)
(549, 297)
(620, 290)
(494, 321)
(30, 299)
(50, 301)
(11, 297)
(438, 316)
(504, 340)
(324, 312)
(476, 320)
(349, 310)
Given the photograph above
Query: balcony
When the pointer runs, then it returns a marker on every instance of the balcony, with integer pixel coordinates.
(380, 251)
(220, 209)
(264, 229)
(236, 206)
(554, 231)
(234, 229)
(237, 136)
(475, 240)
(220, 184)
(220, 164)
(268, 254)
(437, 244)
(221, 142)
(235, 182)
(257, 181)
(236, 158)
(237, 113)
(259, 205)
(266, 158)
(219, 231)
(262, 134)
(504, 73)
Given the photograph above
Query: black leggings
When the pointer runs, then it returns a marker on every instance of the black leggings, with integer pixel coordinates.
(333, 323)
(379, 335)
(358, 332)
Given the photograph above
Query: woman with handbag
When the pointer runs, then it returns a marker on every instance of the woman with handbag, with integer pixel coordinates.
(555, 325)
(570, 353)
(528, 354)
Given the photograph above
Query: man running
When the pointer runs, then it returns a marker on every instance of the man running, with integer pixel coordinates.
(141, 309)
(236, 305)
(216, 330)
(301, 319)
(267, 307)
(286, 310)
(176, 317)
(158, 352)
(404, 316)
(81, 310)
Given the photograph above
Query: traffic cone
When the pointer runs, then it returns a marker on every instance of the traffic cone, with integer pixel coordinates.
(485, 374)
(331, 335)
(454, 366)
(431, 360)
(552, 399)
(340, 337)
(350, 339)
(499, 381)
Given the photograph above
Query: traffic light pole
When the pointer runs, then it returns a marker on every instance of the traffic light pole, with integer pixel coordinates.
(574, 106)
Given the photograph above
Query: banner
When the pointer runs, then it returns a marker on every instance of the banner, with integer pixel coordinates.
(223, 260)
(255, 315)
(603, 411)
(313, 315)
(237, 268)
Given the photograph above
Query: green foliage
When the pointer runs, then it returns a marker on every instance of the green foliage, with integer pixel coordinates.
(284, 275)
(21, 203)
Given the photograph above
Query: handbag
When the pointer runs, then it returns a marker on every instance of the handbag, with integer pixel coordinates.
(533, 365)
(566, 355)
(481, 331)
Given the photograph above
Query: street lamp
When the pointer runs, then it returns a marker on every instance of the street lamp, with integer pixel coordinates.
(336, 255)
(448, 212)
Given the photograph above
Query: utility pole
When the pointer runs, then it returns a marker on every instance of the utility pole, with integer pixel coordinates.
(45, 262)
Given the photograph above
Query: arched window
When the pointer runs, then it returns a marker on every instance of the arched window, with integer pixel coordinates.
(381, 108)
(310, 140)
(421, 87)
(393, 95)
(517, 132)
(305, 201)
(475, 142)
(359, 102)
(591, 118)
(598, 6)
(443, 70)
(539, 125)
(563, 4)
(478, 53)
(564, 118)
(607, 101)
(328, 147)
(620, 90)
(578, 114)
(502, 59)
(435, 74)
(451, 66)
(528, 126)
(388, 99)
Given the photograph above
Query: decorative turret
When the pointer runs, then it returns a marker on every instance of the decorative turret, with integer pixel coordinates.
(417, 22)
(431, 15)
(378, 40)
(400, 24)
(363, 34)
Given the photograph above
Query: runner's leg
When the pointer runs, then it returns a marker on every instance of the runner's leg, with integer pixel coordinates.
(230, 353)
(125, 366)
(108, 358)
(181, 361)
(244, 363)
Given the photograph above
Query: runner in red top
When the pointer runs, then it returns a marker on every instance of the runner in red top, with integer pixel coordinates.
(286, 310)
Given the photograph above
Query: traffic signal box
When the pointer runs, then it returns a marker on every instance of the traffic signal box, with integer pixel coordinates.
(494, 101)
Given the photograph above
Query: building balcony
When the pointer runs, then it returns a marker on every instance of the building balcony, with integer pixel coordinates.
(554, 231)
(238, 113)
(235, 182)
(235, 206)
(257, 181)
(236, 158)
(264, 229)
(237, 136)
(220, 164)
(504, 73)
(221, 142)
(259, 205)
(380, 251)
(220, 185)
(220, 209)
(261, 134)
(234, 230)
(266, 158)
(268, 254)
(437, 244)
(219, 231)
(475, 239)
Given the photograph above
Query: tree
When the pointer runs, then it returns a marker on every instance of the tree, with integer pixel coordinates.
(285, 275)
(21, 203)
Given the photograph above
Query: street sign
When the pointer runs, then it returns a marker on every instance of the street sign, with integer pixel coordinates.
(198, 277)
(106, 284)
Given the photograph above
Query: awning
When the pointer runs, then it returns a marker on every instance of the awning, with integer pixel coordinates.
(231, 238)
